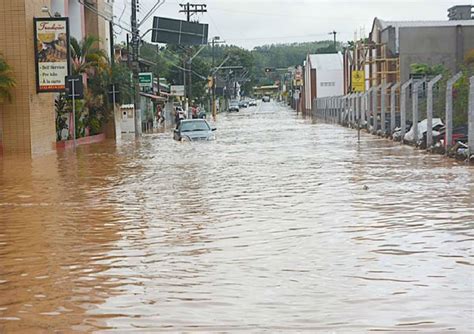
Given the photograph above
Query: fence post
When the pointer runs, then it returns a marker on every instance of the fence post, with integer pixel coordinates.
(333, 109)
(415, 117)
(449, 110)
(375, 107)
(429, 111)
(352, 109)
(362, 108)
(383, 109)
(471, 118)
(339, 107)
(403, 108)
(393, 96)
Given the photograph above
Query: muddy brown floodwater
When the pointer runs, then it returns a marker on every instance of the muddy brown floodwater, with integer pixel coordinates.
(281, 224)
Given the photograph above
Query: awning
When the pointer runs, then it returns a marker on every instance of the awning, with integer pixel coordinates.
(154, 97)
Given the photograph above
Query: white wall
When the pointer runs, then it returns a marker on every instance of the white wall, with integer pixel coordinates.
(75, 19)
(330, 83)
(57, 6)
(307, 85)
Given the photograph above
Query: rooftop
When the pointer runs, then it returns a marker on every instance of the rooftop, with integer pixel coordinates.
(402, 24)
(326, 62)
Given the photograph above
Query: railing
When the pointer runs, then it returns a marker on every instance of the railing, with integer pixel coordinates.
(369, 109)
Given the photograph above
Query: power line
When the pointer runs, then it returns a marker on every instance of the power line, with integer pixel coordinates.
(190, 9)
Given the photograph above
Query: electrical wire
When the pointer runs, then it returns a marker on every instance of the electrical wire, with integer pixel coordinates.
(152, 11)
(104, 16)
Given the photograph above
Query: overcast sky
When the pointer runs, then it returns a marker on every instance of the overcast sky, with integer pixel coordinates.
(249, 23)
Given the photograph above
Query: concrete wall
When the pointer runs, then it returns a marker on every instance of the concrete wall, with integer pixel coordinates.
(433, 45)
(324, 77)
(29, 121)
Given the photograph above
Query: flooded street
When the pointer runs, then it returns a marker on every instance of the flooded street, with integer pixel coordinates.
(281, 224)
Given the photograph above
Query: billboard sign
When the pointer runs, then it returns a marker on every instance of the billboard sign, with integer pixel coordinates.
(51, 39)
(177, 90)
(358, 81)
(145, 79)
(178, 32)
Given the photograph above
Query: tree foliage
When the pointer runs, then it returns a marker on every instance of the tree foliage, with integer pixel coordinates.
(7, 82)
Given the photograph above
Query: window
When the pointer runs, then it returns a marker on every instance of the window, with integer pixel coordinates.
(327, 84)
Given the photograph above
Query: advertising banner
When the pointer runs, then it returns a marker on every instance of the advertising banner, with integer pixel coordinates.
(358, 81)
(177, 90)
(51, 37)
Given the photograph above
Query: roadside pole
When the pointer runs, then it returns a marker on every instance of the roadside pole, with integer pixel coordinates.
(403, 108)
(416, 87)
(393, 96)
(383, 109)
(136, 69)
(429, 111)
(471, 118)
(73, 112)
(449, 111)
(75, 90)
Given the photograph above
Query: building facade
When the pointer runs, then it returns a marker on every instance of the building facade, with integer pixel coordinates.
(392, 47)
(27, 124)
(323, 77)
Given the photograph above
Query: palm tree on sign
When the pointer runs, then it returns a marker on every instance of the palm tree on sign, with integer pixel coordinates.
(86, 57)
(7, 82)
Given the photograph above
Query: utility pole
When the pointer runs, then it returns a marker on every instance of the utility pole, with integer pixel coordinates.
(190, 9)
(334, 33)
(136, 68)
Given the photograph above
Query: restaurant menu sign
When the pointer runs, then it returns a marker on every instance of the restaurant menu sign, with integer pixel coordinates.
(51, 53)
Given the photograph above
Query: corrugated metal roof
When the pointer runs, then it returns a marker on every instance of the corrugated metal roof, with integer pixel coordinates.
(401, 24)
(418, 24)
(326, 62)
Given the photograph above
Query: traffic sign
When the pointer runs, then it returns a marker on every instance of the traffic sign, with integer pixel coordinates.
(145, 79)
(358, 81)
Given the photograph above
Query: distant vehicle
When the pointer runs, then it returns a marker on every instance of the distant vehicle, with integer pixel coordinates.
(243, 104)
(234, 106)
(194, 130)
(266, 98)
(252, 103)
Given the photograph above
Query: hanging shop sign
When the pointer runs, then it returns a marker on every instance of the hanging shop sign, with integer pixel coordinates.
(51, 37)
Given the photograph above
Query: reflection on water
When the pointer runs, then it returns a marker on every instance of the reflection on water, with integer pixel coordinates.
(281, 224)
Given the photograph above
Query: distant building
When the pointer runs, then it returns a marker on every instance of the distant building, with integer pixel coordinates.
(393, 46)
(323, 77)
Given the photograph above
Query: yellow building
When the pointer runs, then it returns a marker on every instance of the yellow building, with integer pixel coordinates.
(27, 124)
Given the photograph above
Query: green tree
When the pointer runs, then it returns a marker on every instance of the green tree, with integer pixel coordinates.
(7, 82)
(86, 57)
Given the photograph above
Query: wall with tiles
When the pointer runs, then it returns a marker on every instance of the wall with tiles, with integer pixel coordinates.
(28, 123)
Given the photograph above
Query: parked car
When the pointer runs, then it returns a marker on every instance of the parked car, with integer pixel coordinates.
(252, 103)
(194, 130)
(234, 106)
(243, 104)
(266, 98)
(422, 129)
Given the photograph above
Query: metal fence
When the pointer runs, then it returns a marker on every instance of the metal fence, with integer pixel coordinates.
(390, 110)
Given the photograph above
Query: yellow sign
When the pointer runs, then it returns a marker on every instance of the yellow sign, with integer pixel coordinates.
(358, 81)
